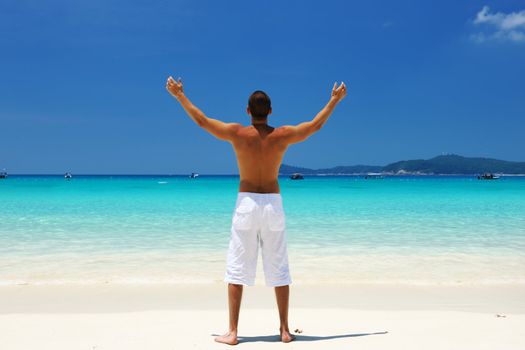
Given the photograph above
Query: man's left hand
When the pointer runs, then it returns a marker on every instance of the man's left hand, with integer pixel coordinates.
(174, 87)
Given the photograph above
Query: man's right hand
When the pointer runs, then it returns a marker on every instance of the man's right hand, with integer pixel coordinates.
(338, 93)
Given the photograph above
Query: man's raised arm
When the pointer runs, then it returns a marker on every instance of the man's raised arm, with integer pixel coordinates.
(219, 129)
(300, 132)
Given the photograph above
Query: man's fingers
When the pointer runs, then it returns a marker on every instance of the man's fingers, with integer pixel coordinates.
(335, 85)
(172, 81)
(173, 86)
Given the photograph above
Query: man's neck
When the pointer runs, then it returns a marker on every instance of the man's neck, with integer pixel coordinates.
(259, 122)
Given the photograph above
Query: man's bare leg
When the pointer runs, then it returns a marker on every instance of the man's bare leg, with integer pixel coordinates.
(282, 294)
(234, 305)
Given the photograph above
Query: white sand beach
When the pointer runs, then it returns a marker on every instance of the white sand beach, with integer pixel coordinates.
(333, 316)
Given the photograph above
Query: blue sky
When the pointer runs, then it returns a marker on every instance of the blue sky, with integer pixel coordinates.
(82, 82)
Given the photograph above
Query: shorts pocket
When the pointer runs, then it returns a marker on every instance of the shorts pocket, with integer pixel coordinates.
(243, 217)
(276, 219)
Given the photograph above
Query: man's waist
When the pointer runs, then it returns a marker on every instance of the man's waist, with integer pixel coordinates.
(260, 186)
(259, 194)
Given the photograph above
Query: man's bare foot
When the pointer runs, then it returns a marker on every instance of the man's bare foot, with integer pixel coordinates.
(286, 336)
(229, 338)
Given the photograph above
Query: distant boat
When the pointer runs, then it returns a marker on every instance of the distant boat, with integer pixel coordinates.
(374, 176)
(3, 175)
(488, 176)
(68, 176)
(297, 176)
(194, 175)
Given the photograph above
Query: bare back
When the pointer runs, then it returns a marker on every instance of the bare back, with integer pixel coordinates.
(260, 150)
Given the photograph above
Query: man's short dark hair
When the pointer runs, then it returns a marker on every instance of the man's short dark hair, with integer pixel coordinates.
(259, 104)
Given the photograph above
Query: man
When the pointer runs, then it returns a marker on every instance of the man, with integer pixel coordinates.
(258, 219)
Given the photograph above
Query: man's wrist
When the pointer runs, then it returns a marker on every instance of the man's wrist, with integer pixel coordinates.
(179, 95)
(333, 100)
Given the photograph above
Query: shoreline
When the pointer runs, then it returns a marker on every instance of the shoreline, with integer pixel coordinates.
(496, 299)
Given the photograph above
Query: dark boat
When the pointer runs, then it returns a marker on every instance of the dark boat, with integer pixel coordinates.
(68, 176)
(488, 176)
(3, 175)
(194, 175)
(296, 176)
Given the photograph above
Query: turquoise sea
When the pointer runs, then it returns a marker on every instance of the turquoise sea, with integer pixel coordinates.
(341, 229)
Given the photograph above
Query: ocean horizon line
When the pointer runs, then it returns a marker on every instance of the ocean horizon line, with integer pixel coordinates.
(280, 174)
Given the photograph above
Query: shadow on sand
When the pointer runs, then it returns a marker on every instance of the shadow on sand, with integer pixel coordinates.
(298, 337)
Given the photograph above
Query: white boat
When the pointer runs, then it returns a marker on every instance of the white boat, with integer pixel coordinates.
(374, 176)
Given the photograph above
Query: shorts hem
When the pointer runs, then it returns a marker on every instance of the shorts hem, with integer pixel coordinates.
(236, 281)
(279, 283)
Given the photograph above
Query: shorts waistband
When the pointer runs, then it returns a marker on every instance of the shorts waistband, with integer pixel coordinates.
(257, 194)
(260, 198)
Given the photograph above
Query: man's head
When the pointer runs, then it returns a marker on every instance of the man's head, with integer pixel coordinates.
(259, 105)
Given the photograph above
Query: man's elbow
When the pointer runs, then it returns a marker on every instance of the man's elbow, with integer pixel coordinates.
(201, 122)
(316, 127)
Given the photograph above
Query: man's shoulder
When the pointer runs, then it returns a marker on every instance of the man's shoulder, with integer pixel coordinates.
(285, 127)
(283, 130)
(241, 128)
(236, 127)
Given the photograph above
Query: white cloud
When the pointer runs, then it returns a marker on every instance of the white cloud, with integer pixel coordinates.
(500, 26)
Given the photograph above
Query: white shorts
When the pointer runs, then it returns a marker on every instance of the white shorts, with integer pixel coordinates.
(258, 220)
